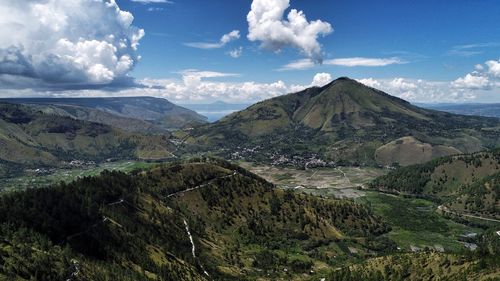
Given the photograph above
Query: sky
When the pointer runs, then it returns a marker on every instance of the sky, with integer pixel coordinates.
(237, 51)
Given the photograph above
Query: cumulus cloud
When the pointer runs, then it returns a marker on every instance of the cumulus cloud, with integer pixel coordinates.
(370, 82)
(267, 25)
(321, 79)
(224, 40)
(236, 53)
(472, 82)
(193, 86)
(484, 77)
(303, 64)
(418, 90)
(493, 67)
(53, 43)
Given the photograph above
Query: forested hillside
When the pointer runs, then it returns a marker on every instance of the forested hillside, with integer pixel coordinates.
(206, 219)
(467, 183)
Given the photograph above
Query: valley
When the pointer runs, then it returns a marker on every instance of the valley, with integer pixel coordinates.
(416, 222)
(132, 199)
(260, 140)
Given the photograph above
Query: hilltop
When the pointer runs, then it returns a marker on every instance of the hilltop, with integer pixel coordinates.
(135, 114)
(204, 219)
(345, 122)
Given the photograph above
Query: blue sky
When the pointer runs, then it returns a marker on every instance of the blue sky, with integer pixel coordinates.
(422, 32)
(423, 51)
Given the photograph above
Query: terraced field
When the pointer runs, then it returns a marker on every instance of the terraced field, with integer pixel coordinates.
(340, 182)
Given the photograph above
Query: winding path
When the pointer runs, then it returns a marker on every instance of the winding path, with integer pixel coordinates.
(201, 185)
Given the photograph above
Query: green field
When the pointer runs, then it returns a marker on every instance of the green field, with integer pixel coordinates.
(32, 180)
(416, 222)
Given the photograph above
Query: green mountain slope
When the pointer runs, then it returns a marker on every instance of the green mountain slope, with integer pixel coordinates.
(30, 138)
(200, 220)
(346, 122)
(420, 266)
(464, 183)
(135, 114)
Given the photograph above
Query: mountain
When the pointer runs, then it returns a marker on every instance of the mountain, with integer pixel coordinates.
(466, 184)
(204, 219)
(345, 122)
(30, 138)
(478, 109)
(135, 114)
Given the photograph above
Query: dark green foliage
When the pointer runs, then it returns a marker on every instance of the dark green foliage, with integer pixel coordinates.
(410, 179)
(471, 193)
(111, 222)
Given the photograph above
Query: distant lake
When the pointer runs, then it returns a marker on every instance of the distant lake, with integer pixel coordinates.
(215, 111)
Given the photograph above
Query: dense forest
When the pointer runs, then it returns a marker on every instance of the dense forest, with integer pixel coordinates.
(465, 182)
(181, 221)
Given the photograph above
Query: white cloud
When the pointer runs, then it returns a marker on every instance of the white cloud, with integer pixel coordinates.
(402, 85)
(418, 90)
(360, 61)
(303, 64)
(53, 43)
(193, 78)
(224, 40)
(370, 82)
(155, 9)
(236, 53)
(493, 67)
(321, 79)
(484, 77)
(194, 86)
(470, 50)
(472, 82)
(266, 25)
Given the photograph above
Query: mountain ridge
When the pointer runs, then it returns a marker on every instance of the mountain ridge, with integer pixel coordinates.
(343, 121)
(140, 114)
(33, 139)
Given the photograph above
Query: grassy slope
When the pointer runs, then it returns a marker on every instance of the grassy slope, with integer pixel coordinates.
(116, 110)
(467, 183)
(99, 116)
(343, 121)
(34, 139)
(415, 222)
(420, 266)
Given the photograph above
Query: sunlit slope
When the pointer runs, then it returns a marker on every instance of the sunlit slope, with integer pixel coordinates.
(134, 114)
(345, 121)
(32, 138)
(465, 183)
